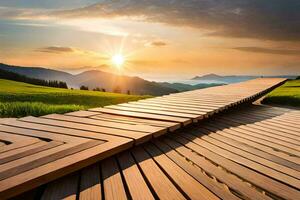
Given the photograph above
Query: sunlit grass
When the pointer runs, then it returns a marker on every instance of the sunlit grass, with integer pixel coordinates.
(20, 99)
(20, 109)
(287, 94)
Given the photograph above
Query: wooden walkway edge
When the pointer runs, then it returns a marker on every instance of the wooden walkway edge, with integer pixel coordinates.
(223, 157)
(34, 151)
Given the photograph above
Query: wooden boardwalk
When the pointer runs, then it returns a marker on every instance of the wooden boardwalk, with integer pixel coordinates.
(34, 151)
(237, 155)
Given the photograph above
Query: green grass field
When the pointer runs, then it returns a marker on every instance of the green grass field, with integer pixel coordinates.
(287, 94)
(19, 99)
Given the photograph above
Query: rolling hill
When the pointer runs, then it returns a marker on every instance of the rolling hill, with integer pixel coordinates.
(232, 79)
(181, 87)
(93, 79)
(18, 99)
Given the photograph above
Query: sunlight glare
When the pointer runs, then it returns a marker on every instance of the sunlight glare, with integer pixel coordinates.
(118, 60)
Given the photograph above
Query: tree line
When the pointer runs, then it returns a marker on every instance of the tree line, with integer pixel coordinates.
(117, 89)
(21, 78)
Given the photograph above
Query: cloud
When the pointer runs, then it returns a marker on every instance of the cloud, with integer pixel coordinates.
(56, 49)
(32, 24)
(271, 20)
(157, 62)
(268, 51)
(156, 44)
(277, 20)
(71, 50)
(24, 13)
(144, 62)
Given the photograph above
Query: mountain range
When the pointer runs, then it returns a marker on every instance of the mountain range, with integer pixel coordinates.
(104, 80)
(232, 79)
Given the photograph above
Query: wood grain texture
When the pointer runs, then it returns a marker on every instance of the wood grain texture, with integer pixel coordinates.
(200, 162)
(217, 161)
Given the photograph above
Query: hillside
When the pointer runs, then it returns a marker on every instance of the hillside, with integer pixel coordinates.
(181, 87)
(233, 79)
(207, 77)
(19, 99)
(110, 81)
(288, 94)
(38, 72)
(94, 79)
(9, 75)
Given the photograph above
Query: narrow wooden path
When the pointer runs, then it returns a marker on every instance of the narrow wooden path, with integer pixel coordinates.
(34, 151)
(227, 157)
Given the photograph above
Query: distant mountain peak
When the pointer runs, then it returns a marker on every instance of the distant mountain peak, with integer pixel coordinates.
(207, 76)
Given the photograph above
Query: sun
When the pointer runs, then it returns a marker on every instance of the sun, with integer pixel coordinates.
(118, 60)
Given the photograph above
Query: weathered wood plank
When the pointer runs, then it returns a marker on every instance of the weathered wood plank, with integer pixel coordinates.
(160, 183)
(112, 182)
(184, 121)
(90, 183)
(136, 184)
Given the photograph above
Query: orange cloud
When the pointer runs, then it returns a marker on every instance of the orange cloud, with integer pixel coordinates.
(56, 49)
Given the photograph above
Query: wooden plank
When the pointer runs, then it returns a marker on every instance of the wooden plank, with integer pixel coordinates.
(137, 136)
(267, 143)
(234, 183)
(195, 172)
(90, 183)
(287, 160)
(182, 108)
(253, 130)
(160, 112)
(163, 108)
(33, 161)
(273, 123)
(276, 143)
(184, 121)
(255, 151)
(57, 133)
(65, 188)
(188, 184)
(99, 122)
(214, 100)
(17, 141)
(281, 122)
(33, 170)
(82, 113)
(159, 182)
(183, 104)
(274, 130)
(33, 178)
(257, 179)
(249, 156)
(276, 133)
(43, 132)
(112, 181)
(132, 120)
(242, 134)
(28, 150)
(136, 184)
(248, 163)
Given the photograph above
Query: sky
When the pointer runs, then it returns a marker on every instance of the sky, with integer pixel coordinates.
(160, 40)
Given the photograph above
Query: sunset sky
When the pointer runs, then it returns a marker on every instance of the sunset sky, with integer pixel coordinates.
(160, 39)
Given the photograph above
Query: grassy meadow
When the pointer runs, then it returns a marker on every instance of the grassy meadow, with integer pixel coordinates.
(19, 99)
(288, 94)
